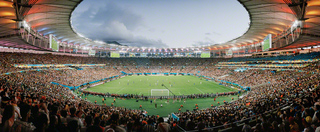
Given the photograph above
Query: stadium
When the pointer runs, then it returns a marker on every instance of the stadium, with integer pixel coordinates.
(53, 78)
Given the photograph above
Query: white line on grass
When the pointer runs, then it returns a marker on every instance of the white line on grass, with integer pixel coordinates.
(199, 90)
(120, 90)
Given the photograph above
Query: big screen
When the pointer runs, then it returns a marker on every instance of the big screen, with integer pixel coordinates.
(229, 53)
(115, 54)
(92, 52)
(205, 55)
(53, 43)
(267, 43)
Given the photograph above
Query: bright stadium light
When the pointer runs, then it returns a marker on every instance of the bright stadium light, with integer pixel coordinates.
(295, 24)
(234, 48)
(25, 24)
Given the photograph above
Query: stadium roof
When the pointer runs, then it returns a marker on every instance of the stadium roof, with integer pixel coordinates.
(266, 17)
(311, 28)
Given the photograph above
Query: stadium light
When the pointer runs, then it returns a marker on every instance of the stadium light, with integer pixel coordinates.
(295, 24)
(25, 24)
(234, 48)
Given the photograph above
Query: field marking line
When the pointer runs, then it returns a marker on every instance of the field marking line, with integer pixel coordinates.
(224, 87)
(199, 90)
(119, 90)
(179, 93)
(139, 93)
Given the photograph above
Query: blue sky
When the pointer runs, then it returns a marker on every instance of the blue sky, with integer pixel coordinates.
(161, 23)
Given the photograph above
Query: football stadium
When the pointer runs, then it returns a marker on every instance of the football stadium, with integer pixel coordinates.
(137, 66)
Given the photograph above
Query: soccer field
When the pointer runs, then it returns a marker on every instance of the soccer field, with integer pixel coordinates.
(179, 85)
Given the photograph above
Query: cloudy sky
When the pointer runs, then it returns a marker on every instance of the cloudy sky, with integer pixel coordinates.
(161, 23)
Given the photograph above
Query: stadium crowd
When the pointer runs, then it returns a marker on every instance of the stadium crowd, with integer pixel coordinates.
(251, 77)
(29, 102)
(293, 88)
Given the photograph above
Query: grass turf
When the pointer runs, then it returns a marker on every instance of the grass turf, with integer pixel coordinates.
(180, 85)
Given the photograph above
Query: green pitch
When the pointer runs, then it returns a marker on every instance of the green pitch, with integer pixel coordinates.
(179, 85)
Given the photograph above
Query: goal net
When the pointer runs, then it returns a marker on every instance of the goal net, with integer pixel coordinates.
(159, 92)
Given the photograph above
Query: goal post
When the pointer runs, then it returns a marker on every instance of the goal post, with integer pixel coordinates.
(159, 92)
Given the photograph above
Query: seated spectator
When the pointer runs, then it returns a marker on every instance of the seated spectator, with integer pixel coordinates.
(114, 124)
(162, 126)
(149, 127)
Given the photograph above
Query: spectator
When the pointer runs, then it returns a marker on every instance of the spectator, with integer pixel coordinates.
(149, 127)
(53, 126)
(246, 127)
(41, 122)
(88, 120)
(73, 117)
(114, 124)
(24, 125)
(162, 126)
(8, 119)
